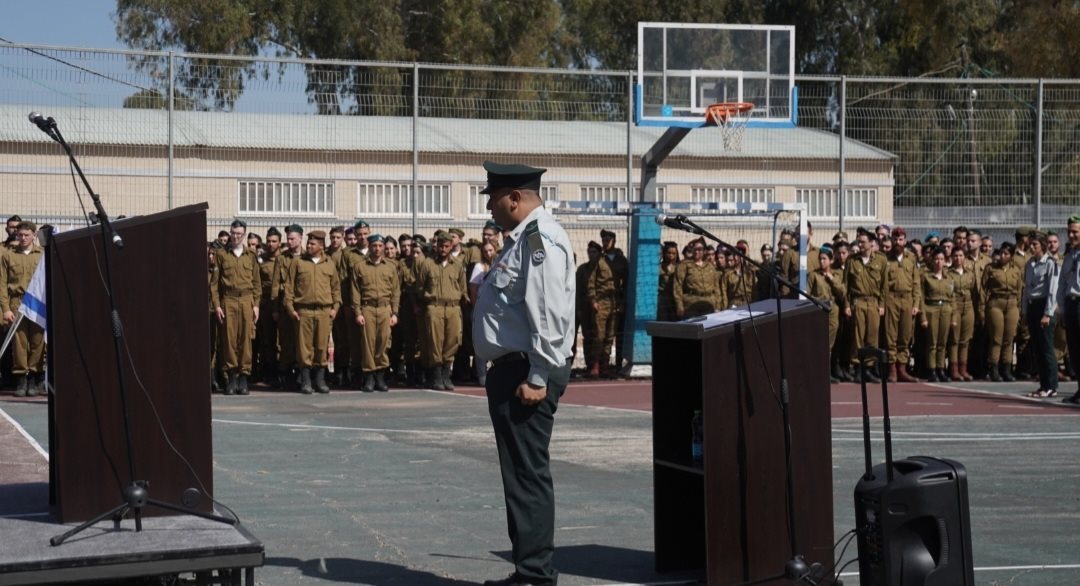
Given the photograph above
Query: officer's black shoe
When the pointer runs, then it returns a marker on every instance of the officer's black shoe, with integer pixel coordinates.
(932, 376)
(1006, 373)
(369, 382)
(992, 373)
(320, 380)
(942, 375)
(380, 380)
(1075, 399)
(22, 386)
(869, 376)
(447, 383)
(511, 580)
(215, 386)
(305, 381)
(37, 386)
(231, 384)
(838, 374)
(435, 378)
(242, 384)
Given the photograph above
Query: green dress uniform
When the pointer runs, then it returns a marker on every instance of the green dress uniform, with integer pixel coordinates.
(965, 300)
(28, 346)
(665, 293)
(376, 294)
(903, 295)
(601, 293)
(1001, 287)
(620, 266)
(696, 289)
(443, 287)
(866, 281)
(237, 290)
(313, 292)
(829, 288)
(936, 309)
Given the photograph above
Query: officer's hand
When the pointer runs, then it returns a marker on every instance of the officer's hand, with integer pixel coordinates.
(255, 313)
(914, 311)
(1045, 321)
(881, 312)
(360, 319)
(393, 320)
(333, 313)
(925, 324)
(847, 311)
(219, 311)
(530, 395)
(295, 315)
(9, 317)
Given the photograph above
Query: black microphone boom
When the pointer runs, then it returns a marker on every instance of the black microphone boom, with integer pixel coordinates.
(678, 222)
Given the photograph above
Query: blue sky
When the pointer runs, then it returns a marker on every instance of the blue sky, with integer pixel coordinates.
(76, 23)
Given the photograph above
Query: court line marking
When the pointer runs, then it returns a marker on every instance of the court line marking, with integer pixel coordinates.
(346, 428)
(25, 434)
(1004, 568)
(972, 433)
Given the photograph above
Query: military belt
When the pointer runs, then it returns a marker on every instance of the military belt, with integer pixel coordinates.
(237, 293)
(377, 303)
(936, 302)
(312, 306)
(444, 303)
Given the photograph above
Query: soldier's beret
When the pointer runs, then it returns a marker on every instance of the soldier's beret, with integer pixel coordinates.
(1074, 219)
(375, 238)
(238, 223)
(898, 231)
(1024, 231)
(490, 224)
(594, 244)
(517, 176)
(273, 232)
(360, 224)
(607, 235)
(765, 247)
(458, 231)
(419, 238)
(317, 235)
(930, 235)
(294, 229)
(442, 235)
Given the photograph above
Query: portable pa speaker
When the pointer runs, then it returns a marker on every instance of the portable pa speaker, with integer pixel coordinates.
(911, 516)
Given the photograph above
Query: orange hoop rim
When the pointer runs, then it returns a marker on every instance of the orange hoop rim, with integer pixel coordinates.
(718, 114)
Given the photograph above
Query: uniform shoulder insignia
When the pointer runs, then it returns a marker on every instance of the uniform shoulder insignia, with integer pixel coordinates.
(536, 242)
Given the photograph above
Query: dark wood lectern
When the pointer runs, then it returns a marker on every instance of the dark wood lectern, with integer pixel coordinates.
(728, 514)
(159, 284)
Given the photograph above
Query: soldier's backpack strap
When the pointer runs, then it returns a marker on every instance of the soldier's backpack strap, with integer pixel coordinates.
(536, 243)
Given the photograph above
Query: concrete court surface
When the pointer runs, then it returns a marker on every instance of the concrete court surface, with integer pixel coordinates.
(403, 487)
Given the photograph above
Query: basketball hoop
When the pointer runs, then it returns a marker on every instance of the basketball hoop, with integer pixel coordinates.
(732, 118)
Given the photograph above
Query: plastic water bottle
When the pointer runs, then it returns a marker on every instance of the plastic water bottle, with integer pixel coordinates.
(697, 438)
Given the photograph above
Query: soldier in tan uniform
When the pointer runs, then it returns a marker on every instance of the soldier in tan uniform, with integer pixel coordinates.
(1025, 365)
(665, 296)
(867, 279)
(410, 313)
(1002, 285)
(621, 268)
(313, 297)
(965, 301)
(601, 295)
(443, 288)
(286, 325)
(738, 282)
(17, 266)
(467, 257)
(789, 262)
(825, 284)
(696, 289)
(903, 301)
(582, 308)
(376, 296)
(266, 329)
(236, 293)
(938, 290)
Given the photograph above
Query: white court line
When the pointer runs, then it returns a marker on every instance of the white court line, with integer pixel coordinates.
(1003, 569)
(931, 404)
(361, 429)
(26, 435)
(971, 434)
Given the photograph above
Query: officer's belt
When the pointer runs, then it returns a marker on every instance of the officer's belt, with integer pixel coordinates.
(936, 302)
(312, 306)
(237, 292)
(508, 358)
(376, 303)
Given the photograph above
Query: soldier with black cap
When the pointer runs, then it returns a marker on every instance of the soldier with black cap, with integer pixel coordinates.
(376, 295)
(312, 298)
(236, 291)
(523, 323)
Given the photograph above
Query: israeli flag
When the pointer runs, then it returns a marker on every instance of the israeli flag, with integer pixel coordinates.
(33, 301)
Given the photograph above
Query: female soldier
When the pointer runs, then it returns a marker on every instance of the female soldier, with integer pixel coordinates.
(1001, 283)
(696, 289)
(1038, 308)
(665, 296)
(965, 300)
(937, 295)
(823, 284)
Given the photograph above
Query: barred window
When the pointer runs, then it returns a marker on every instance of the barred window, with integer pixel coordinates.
(395, 199)
(821, 203)
(616, 193)
(285, 197)
(701, 194)
(478, 201)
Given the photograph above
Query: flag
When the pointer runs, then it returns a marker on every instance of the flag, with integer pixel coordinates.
(33, 301)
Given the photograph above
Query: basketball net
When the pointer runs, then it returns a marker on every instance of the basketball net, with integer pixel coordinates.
(732, 118)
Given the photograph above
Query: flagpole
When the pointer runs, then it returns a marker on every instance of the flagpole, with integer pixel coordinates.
(11, 332)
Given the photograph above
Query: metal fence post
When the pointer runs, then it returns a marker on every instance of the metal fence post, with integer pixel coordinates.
(172, 107)
(843, 137)
(1037, 186)
(415, 142)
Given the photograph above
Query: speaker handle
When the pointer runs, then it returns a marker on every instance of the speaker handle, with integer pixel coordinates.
(882, 356)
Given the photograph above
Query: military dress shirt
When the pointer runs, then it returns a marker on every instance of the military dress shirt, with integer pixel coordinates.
(526, 303)
(1041, 282)
(1069, 277)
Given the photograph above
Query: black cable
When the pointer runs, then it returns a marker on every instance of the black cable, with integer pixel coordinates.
(843, 551)
(78, 194)
(79, 67)
(849, 532)
(836, 576)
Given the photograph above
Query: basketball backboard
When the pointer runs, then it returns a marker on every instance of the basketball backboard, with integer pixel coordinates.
(684, 67)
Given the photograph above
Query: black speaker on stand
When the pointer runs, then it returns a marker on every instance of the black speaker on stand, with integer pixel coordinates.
(911, 516)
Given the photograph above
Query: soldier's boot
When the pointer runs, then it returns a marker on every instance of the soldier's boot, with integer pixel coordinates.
(992, 372)
(594, 370)
(434, 377)
(230, 385)
(839, 374)
(357, 379)
(320, 380)
(954, 372)
(22, 386)
(33, 385)
(869, 375)
(369, 382)
(964, 374)
(215, 387)
(1006, 373)
(305, 381)
(242, 384)
(448, 384)
(942, 376)
(892, 372)
(903, 375)
(380, 380)
(411, 374)
(931, 375)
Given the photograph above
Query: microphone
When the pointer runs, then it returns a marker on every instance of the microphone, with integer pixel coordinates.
(678, 222)
(45, 124)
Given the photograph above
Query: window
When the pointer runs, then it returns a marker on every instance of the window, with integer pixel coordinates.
(821, 203)
(395, 199)
(478, 201)
(616, 193)
(284, 197)
(732, 195)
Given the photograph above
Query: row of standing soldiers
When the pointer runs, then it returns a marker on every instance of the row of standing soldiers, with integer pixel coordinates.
(279, 307)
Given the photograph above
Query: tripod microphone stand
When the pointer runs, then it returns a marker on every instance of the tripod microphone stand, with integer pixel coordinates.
(796, 569)
(136, 495)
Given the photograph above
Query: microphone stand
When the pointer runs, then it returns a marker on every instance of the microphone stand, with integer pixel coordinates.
(136, 494)
(796, 569)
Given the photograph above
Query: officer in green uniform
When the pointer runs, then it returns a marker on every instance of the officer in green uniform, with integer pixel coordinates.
(236, 292)
(312, 298)
(17, 266)
(665, 291)
(443, 287)
(938, 290)
(294, 240)
(867, 279)
(523, 324)
(376, 296)
(1001, 287)
(903, 301)
(600, 294)
(826, 285)
(696, 289)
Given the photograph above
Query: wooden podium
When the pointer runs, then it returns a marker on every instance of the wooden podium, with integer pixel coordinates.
(160, 287)
(728, 514)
